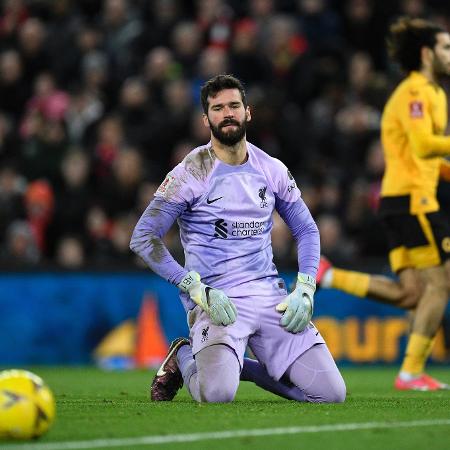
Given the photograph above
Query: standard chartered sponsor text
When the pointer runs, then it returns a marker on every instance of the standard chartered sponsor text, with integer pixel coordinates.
(244, 229)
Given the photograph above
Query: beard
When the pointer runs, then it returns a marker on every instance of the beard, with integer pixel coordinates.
(230, 137)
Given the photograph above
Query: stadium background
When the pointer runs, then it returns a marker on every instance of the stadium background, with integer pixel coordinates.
(99, 99)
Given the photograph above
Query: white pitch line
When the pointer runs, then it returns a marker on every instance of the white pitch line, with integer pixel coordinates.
(217, 435)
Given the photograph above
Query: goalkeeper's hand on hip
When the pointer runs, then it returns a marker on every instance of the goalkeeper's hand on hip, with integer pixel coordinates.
(214, 302)
(297, 307)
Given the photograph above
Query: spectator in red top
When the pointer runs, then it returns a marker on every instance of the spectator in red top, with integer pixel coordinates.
(39, 203)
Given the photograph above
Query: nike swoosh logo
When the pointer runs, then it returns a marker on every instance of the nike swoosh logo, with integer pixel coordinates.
(213, 200)
(161, 372)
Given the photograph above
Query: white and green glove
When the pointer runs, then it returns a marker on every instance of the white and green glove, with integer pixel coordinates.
(214, 302)
(297, 307)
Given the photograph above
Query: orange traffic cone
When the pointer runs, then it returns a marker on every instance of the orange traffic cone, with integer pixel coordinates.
(151, 343)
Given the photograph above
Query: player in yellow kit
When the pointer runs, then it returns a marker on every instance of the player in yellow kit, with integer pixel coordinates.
(412, 127)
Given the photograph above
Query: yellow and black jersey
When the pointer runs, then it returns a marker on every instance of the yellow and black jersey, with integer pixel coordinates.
(412, 127)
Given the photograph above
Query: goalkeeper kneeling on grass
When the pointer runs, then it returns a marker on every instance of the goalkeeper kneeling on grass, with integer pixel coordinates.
(223, 195)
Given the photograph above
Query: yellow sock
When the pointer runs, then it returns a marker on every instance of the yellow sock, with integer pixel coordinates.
(430, 347)
(355, 283)
(417, 352)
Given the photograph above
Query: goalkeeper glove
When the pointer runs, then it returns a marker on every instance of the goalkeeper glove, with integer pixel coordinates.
(297, 307)
(214, 302)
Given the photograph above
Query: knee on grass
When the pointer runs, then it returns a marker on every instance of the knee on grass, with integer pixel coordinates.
(338, 393)
(217, 393)
(331, 390)
(218, 374)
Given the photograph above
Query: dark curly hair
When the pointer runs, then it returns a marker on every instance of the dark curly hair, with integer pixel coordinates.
(407, 37)
(220, 82)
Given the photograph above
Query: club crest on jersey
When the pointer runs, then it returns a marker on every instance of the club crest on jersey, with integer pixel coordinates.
(164, 186)
(262, 196)
(205, 334)
(416, 110)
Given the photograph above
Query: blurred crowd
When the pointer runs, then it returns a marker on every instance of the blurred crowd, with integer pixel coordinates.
(99, 99)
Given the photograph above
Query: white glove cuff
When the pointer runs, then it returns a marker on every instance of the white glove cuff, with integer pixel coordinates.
(307, 280)
(189, 280)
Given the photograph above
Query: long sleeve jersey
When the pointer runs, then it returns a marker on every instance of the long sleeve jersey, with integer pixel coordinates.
(224, 213)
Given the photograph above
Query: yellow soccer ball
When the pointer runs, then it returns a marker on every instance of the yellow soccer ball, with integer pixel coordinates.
(27, 406)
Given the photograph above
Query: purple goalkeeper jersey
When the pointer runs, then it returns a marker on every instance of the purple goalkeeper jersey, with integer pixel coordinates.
(224, 213)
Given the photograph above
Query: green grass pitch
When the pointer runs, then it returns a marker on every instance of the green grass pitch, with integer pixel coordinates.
(114, 406)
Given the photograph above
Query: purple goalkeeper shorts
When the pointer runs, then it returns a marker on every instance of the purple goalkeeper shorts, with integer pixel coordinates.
(258, 326)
